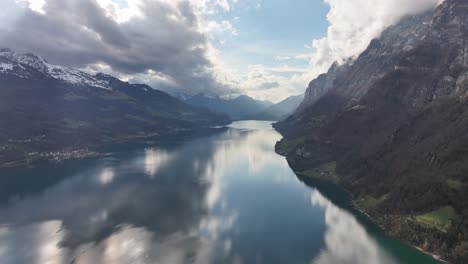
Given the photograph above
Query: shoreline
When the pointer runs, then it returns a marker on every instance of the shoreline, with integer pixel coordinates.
(435, 256)
(373, 219)
(53, 156)
(80, 153)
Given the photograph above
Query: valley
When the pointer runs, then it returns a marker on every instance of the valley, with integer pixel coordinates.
(183, 132)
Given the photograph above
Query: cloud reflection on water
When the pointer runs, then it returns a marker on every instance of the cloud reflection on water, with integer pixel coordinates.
(111, 214)
(34, 243)
(240, 148)
(187, 204)
(155, 159)
(106, 176)
(346, 240)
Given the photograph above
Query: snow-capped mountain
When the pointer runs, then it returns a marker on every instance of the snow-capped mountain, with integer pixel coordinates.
(23, 65)
(45, 107)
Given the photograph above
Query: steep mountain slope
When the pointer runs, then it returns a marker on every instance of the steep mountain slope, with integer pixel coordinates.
(44, 107)
(238, 108)
(392, 128)
(281, 110)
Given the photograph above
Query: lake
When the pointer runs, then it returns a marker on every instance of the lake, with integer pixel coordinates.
(220, 197)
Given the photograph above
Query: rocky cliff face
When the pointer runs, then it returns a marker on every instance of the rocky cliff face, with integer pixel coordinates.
(395, 123)
(354, 78)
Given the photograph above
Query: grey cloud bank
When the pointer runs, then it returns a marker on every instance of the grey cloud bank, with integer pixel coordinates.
(162, 47)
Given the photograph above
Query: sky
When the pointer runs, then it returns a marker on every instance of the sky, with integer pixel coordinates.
(267, 49)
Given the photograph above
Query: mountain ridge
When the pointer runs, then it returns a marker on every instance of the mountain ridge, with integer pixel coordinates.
(280, 110)
(241, 107)
(15, 63)
(48, 108)
(391, 128)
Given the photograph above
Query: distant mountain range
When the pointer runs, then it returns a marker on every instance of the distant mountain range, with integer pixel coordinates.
(45, 107)
(242, 107)
(245, 107)
(391, 127)
(281, 110)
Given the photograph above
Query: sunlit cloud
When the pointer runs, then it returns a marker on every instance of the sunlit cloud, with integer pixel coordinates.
(34, 5)
(352, 26)
(184, 46)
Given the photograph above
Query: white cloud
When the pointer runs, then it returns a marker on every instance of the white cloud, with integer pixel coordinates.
(220, 27)
(166, 43)
(35, 5)
(119, 13)
(282, 58)
(346, 240)
(270, 83)
(223, 4)
(353, 24)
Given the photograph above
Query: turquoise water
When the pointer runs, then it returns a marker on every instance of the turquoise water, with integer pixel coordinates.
(222, 197)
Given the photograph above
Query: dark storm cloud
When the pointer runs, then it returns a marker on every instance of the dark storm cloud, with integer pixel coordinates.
(78, 33)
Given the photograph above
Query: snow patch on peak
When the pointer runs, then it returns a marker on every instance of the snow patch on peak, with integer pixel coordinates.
(33, 61)
(69, 75)
(4, 67)
(74, 76)
(28, 59)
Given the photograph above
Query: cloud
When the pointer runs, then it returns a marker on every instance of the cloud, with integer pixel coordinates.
(353, 24)
(183, 45)
(283, 58)
(221, 27)
(164, 43)
(224, 4)
(269, 85)
(36, 5)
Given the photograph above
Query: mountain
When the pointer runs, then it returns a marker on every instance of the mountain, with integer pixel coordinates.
(391, 127)
(281, 110)
(44, 107)
(238, 108)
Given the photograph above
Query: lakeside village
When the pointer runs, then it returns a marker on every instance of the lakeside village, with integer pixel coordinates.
(17, 151)
(29, 157)
(63, 155)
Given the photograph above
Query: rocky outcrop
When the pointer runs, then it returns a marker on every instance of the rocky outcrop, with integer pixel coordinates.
(355, 77)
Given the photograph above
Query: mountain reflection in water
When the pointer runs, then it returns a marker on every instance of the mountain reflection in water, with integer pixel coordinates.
(223, 198)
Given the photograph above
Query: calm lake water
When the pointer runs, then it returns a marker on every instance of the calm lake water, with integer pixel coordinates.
(224, 197)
